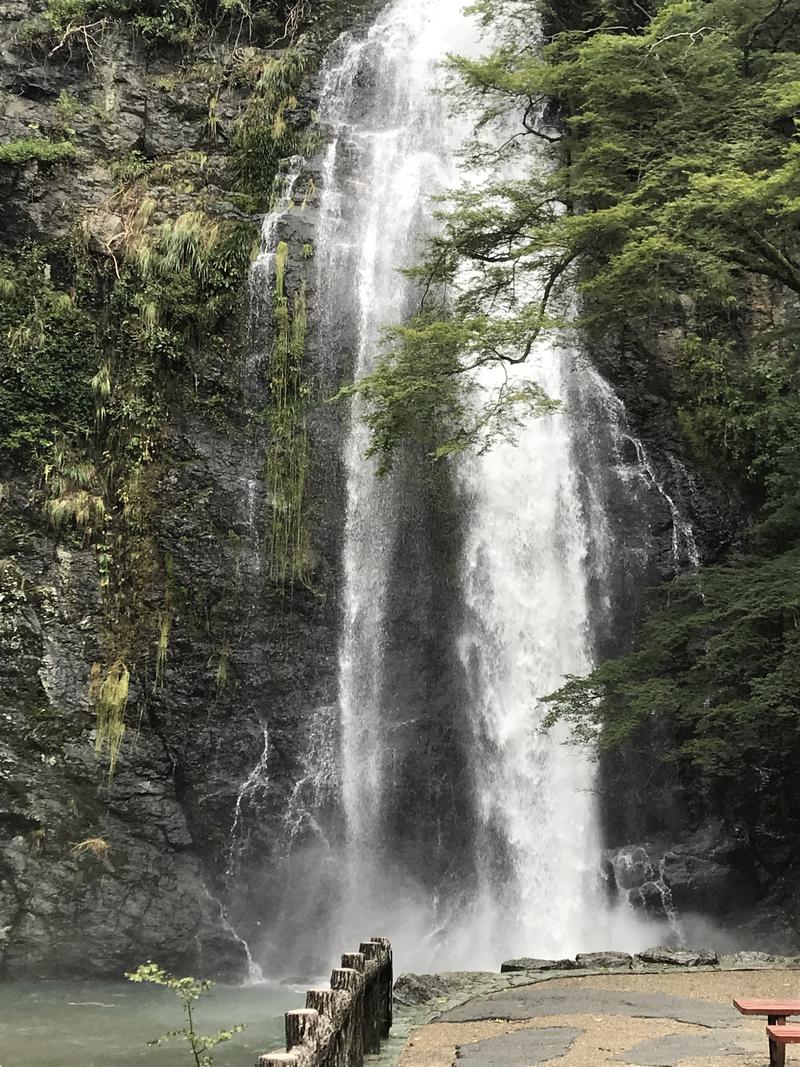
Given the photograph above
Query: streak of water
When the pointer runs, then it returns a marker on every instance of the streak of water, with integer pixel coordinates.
(256, 782)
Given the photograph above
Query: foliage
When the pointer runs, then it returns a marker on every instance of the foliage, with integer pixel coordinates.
(49, 352)
(24, 150)
(421, 391)
(188, 990)
(181, 22)
(718, 666)
(266, 133)
(95, 846)
(643, 159)
(75, 493)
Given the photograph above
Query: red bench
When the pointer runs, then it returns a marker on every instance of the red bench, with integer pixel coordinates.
(778, 1033)
(779, 1037)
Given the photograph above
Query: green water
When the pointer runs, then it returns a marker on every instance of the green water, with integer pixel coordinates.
(103, 1024)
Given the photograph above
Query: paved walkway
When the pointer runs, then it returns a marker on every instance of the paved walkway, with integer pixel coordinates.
(683, 1019)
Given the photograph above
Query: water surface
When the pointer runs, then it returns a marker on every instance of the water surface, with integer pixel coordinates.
(108, 1024)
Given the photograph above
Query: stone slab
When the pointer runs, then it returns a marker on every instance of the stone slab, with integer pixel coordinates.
(678, 957)
(616, 960)
(538, 1001)
(526, 963)
(675, 1048)
(520, 1049)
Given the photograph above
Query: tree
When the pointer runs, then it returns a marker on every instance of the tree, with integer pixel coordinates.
(638, 159)
(187, 990)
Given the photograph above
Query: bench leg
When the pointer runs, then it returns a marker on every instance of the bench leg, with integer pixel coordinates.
(777, 1053)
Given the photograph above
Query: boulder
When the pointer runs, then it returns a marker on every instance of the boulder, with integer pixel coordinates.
(631, 865)
(412, 989)
(648, 898)
(611, 960)
(678, 957)
(526, 963)
(699, 884)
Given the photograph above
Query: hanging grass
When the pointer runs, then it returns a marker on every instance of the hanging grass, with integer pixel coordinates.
(266, 134)
(109, 694)
(95, 846)
(162, 647)
(75, 496)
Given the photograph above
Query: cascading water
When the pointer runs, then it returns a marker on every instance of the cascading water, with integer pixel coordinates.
(392, 148)
(527, 627)
(467, 832)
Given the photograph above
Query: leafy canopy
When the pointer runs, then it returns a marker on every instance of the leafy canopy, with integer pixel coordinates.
(640, 159)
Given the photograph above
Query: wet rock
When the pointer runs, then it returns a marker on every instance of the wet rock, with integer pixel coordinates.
(753, 960)
(528, 964)
(597, 960)
(700, 884)
(648, 898)
(412, 989)
(678, 957)
(632, 867)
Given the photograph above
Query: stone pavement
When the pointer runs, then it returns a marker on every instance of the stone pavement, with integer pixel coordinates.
(677, 1019)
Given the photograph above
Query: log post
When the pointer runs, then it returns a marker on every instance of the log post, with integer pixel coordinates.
(355, 961)
(322, 1001)
(380, 950)
(327, 1003)
(278, 1059)
(347, 980)
(302, 1028)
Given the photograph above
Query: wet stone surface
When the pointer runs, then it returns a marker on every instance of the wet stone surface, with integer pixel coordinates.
(536, 1002)
(675, 1048)
(520, 1049)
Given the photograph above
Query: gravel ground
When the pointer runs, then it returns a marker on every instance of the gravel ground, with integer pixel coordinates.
(604, 1038)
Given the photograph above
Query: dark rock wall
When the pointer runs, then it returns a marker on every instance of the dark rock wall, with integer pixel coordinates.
(241, 655)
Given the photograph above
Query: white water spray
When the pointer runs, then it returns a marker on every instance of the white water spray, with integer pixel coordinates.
(528, 627)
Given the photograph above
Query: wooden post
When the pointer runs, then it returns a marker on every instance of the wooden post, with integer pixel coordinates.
(380, 949)
(302, 1028)
(347, 980)
(322, 1001)
(355, 961)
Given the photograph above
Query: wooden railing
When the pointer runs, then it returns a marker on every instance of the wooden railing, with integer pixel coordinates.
(338, 1026)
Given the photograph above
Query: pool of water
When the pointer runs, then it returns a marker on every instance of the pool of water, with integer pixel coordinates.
(108, 1024)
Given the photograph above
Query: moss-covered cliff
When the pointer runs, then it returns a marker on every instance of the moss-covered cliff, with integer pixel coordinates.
(148, 624)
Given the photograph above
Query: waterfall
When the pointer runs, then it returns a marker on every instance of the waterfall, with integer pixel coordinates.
(468, 833)
(392, 147)
(527, 627)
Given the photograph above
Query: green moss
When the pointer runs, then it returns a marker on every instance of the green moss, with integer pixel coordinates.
(267, 133)
(24, 150)
(49, 352)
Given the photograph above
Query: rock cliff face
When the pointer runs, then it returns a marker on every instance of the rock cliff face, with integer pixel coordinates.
(98, 873)
(232, 672)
